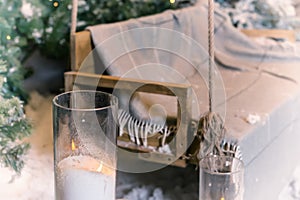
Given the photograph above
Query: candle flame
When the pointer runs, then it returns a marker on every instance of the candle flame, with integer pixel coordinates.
(73, 146)
(100, 167)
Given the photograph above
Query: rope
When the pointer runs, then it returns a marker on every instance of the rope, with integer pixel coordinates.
(72, 33)
(211, 130)
(211, 133)
(211, 53)
(74, 16)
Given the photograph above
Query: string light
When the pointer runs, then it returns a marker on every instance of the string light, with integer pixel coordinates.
(55, 4)
(8, 37)
(73, 146)
(100, 167)
(172, 1)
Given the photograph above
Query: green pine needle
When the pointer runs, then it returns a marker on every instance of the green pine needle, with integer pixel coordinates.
(14, 126)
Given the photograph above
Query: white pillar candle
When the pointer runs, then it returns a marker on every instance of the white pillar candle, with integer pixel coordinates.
(85, 178)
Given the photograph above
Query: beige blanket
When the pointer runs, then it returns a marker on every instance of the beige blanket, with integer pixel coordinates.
(172, 47)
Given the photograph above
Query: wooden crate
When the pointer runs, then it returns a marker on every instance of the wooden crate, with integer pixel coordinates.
(179, 142)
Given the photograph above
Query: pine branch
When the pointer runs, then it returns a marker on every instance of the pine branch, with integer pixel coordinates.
(13, 126)
(14, 157)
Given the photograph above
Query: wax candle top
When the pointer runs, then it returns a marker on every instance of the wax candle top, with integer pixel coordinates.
(85, 163)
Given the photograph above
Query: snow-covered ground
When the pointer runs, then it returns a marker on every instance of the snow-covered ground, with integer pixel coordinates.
(37, 179)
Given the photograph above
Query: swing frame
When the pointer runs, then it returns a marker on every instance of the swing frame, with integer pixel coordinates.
(81, 46)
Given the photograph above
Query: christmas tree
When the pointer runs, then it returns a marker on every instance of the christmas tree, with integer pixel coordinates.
(13, 124)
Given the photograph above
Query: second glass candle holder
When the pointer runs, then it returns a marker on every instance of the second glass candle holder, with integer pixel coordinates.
(221, 178)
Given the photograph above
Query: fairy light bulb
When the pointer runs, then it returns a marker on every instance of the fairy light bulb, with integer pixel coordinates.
(73, 146)
(172, 1)
(100, 167)
(55, 4)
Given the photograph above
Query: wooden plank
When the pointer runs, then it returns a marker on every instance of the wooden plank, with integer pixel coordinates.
(163, 158)
(114, 82)
(184, 134)
(271, 33)
(132, 146)
(83, 46)
(180, 163)
(153, 140)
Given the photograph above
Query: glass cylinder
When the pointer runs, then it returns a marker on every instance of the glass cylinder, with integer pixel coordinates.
(85, 128)
(221, 178)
